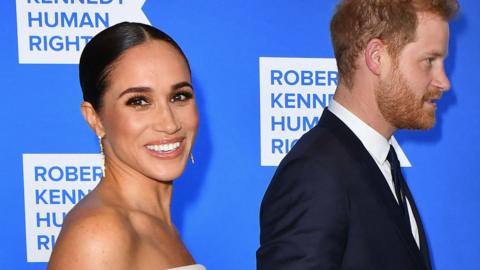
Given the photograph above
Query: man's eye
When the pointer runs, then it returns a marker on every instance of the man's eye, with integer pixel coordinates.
(181, 96)
(137, 101)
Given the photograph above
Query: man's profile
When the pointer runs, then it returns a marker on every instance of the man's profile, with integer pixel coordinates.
(338, 200)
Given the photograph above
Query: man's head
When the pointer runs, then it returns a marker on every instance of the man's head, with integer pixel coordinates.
(356, 22)
(407, 93)
(402, 44)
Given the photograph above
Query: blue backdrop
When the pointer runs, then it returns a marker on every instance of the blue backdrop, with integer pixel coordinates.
(216, 202)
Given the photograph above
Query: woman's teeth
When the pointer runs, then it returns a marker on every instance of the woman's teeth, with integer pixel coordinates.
(164, 147)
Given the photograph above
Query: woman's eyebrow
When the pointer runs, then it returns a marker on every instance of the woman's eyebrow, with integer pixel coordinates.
(181, 85)
(139, 89)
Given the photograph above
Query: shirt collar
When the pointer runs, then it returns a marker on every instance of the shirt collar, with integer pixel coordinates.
(374, 142)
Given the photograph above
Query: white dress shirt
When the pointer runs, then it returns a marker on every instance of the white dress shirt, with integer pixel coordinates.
(377, 146)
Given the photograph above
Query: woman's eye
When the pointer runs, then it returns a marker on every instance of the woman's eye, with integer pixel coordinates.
(181, 96)
(137, 101)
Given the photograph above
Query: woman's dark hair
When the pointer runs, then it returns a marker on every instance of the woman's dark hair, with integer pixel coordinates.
(105, 48)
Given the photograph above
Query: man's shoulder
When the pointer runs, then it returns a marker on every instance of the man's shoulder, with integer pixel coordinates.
(320, 144)
(323, 151)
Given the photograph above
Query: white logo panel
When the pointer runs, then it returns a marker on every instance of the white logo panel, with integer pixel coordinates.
(53, 184)
(293, 94)
(55, 32)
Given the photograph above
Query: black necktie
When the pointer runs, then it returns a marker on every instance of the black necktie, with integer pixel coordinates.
(399, 183)
(400, 188)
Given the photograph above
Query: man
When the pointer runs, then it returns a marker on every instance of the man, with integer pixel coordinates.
(338, 199)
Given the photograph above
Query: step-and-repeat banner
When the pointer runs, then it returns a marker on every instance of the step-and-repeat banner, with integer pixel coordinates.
(263, 72)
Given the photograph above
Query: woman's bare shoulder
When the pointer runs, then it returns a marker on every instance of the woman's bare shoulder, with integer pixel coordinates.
(94, 235)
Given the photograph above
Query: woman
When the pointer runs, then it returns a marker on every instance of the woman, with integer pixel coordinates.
(139, 100)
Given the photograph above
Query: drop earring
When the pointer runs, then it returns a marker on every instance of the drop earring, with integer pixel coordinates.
(192, 159)
(102, 155)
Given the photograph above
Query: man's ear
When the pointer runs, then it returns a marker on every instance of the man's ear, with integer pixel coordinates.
(92, 118)
(374, 55)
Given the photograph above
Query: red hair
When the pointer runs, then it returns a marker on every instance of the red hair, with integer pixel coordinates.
(356, 22)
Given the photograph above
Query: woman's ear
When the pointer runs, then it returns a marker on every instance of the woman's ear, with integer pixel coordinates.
(92, 118)
(374, 54)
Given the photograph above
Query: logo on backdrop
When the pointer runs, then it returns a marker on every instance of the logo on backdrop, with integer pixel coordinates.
(293, 94)
(53, 184)
(55, 31)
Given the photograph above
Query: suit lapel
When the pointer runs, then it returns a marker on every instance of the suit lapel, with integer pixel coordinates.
(386, 199)
(376, 181)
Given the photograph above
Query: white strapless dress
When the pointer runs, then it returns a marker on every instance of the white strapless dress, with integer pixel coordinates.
(190, 267)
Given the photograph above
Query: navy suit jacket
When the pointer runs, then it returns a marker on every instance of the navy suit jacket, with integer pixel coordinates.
(328, 206)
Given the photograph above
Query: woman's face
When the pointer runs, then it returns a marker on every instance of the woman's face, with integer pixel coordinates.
(148, 114)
